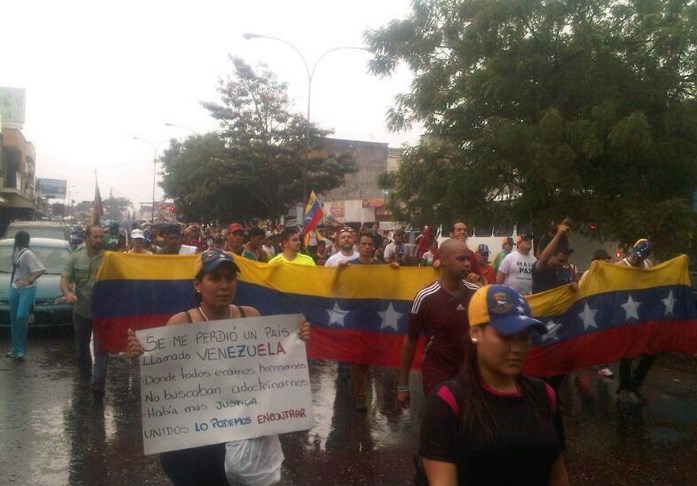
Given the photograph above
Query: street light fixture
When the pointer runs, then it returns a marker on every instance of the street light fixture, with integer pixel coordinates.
(154, 169)
(310, 75)
(168, 124)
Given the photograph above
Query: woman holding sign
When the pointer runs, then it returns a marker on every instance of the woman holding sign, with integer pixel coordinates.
(215, 284)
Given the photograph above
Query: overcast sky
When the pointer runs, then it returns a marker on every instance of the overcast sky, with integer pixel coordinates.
(98, 73)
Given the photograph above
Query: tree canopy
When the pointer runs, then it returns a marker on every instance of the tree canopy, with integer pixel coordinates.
(263, 160)
(115, 208)
(540, 109)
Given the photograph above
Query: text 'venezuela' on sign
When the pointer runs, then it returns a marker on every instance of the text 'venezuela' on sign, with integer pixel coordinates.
(207, 383)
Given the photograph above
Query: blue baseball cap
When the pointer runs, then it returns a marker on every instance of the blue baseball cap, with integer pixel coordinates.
(483, 250)
(211, 259)
(502, 308)
(642, 249)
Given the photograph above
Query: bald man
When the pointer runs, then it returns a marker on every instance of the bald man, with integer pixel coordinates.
(439, 312)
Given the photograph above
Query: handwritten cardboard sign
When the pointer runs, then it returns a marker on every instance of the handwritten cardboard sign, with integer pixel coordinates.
(207, 383)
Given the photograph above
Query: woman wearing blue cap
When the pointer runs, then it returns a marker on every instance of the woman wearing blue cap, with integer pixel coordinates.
(215, 285)
(492, 425)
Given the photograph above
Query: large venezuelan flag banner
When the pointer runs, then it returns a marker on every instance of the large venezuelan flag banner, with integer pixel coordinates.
(360, 313)
(617, 312)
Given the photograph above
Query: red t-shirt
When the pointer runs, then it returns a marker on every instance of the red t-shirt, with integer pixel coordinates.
(442, 318)
(487, 271)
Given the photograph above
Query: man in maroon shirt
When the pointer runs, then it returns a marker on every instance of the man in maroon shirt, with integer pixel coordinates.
(439, 312)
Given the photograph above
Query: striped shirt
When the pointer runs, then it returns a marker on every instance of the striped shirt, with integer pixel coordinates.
(442, 318)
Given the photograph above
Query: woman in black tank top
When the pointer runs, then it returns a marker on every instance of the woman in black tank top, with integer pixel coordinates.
(215, 284)
(491, 425)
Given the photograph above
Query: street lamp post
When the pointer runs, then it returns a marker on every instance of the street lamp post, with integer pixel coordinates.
(310, 76)
(174, 125)
(154, 170)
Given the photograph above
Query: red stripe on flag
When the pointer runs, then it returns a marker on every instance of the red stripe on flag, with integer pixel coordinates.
(112, 332)
(354, 346)
(629, 341)
(312, 224)
(333, 344)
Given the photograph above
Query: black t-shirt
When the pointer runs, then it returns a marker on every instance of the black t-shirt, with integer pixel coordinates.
(550, 278)
(527, 442)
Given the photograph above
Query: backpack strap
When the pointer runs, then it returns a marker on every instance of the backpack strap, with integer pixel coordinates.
(445, 394)
(551, 397)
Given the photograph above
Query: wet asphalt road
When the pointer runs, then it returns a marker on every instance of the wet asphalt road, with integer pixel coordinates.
(51, 432)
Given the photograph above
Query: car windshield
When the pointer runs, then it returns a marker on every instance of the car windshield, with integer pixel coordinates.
(38, 232)
(53, 258)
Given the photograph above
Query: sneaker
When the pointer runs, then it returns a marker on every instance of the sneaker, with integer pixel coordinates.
(628, 397)
(19, 357)
(605, 372)
(11, 355)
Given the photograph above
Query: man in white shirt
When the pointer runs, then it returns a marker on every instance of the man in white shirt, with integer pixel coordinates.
(516, 269)
(346, 251)
(396, 251)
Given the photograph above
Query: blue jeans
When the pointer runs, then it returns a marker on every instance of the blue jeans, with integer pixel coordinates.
(83, 335)
(21, 301)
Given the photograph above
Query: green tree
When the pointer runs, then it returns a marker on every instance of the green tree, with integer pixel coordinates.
(115, 208)
(539, 109)
(259, 164)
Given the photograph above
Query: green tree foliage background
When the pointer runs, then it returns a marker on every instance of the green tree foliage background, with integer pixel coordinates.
(115, 208)
(259, 164)
(536, 110)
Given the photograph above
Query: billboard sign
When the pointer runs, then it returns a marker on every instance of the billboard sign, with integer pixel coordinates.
(12, 103)
(52, 188)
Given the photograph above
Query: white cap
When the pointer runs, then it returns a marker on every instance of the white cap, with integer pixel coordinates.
(136, 233)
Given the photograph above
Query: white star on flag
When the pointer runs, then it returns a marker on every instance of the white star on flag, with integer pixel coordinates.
(389, 318)
(336, 315)
(631, 308)
(669, 302)
(588, 316)
(551, 334)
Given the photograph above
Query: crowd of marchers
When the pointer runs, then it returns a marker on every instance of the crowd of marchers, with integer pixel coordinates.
(474, 318)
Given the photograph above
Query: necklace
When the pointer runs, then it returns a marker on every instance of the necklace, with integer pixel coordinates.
(205, 316)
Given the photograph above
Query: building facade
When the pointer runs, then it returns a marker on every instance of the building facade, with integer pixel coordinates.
(17, 177)
(18, 192)
(360, 200)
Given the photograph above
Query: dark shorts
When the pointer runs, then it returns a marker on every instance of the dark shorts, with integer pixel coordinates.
(197, 466)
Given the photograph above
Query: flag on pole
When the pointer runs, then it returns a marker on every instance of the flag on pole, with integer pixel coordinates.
(313, 215)
(98, 206)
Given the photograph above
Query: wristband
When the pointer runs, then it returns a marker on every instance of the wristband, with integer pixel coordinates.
(403, 388)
